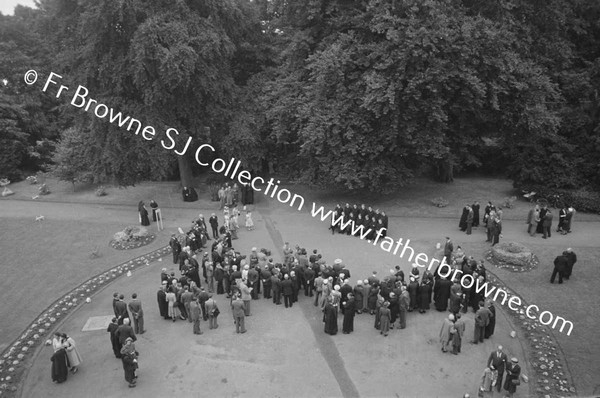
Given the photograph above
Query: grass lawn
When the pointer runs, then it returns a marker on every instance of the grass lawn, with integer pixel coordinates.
(43, 260)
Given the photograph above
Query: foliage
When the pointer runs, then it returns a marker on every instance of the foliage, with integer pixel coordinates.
(581, 199)
(28, 120)
(70, 159)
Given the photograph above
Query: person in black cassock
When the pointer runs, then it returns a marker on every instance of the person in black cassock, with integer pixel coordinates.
(349, 311)
(60, 370)
(475, 208)
(330, 318)
(463, 219)
(144, 220)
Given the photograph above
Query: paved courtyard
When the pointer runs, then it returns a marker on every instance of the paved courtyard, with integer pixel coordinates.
(285, 352)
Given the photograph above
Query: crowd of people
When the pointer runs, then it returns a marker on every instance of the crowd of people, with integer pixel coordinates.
(352, 217)
(209, 265)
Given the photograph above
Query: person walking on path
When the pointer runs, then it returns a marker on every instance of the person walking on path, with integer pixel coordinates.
(135, 307)
(561, 265)
(237, 307)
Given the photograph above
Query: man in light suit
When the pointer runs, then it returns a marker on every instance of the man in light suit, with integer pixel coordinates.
(237, 307)
(498, 360)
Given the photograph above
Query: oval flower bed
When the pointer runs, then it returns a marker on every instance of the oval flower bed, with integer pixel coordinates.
(131, 237)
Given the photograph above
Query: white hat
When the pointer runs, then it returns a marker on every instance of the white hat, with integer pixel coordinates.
(325, 281)
(337, 261)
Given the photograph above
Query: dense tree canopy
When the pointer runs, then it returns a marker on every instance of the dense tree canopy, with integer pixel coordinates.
(355, 93)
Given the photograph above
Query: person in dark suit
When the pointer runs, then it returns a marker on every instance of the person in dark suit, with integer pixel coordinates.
(572, 259)
(441, 293)
(124, 331)
(498, 360)
(135, 306)
(561, 265)
(482, 319)
(448, 249)
(489, 329)
(114, 339)
(214, 225)
(287, 289)
(462, 224)
(121, 309)
(547, 224)
(276, 288)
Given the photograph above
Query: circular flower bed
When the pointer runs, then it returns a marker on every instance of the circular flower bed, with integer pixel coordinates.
(131, 238)
(513, 256)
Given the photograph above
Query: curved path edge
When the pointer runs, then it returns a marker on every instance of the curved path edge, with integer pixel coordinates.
(19, 354)
(543, 356)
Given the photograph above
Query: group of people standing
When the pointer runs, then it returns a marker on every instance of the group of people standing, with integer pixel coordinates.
(498, 364)
(143, 212)
(540, 217)
(350, 219)
(233, 195)
(492, 220)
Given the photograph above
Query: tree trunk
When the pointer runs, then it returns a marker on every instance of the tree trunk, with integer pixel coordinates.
(185, 171)
(445, 169)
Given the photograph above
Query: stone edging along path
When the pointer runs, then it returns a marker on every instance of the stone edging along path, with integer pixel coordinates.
(13, 360)
(551, 373)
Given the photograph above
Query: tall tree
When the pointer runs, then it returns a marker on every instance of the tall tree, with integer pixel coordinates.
(168, 65)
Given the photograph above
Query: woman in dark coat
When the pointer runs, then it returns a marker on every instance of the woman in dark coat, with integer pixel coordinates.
(330, 318)
(424, 295)
(475, 208)
(413, 291)
(489, 329)
(60, 369)
(384, 318)
(144, 220)
(372, 299)
(463, 219)
(513, 372)
(349, 311)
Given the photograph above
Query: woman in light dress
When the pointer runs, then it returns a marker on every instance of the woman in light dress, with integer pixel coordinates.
(249, 222)
(72, 352)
